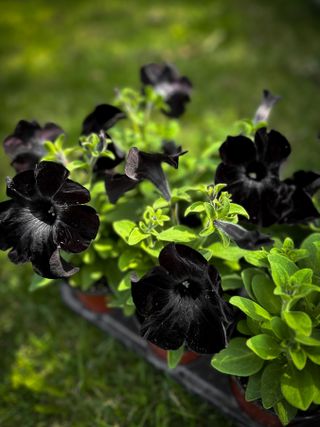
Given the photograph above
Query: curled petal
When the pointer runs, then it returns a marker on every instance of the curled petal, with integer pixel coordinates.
(308, 181)
(245, 239)
(273, 147)
(117, 185)
(103, 117)
(104, 163)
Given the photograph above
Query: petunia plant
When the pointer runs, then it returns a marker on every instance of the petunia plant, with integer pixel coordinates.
(216, 253)
(276, 350)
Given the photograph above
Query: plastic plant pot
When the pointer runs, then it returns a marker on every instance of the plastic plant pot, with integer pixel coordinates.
(267, 418)
(96, 298)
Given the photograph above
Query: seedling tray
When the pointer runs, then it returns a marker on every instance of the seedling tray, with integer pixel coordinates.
(197, 377)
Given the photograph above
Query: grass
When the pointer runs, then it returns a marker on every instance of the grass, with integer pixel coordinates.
(58, 60)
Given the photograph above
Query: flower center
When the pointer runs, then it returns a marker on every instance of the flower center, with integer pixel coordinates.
(44, 210)
(256, 171)
(188, 288)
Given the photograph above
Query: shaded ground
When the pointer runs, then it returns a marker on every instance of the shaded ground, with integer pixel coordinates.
(59, 59)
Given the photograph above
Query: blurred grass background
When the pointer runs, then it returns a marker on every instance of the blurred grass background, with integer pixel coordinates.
(58, 60)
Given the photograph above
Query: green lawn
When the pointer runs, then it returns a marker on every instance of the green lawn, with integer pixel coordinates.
(58, 60)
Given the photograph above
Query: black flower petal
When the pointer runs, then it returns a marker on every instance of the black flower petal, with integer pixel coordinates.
(167, 82)
(307, 181)
(179, 303)
(300, 209)
(45, 215)
(251, 172)
(245, 239)
(50, 177)
(103, 117)
(25, 146)
(117, 185)
(268, 102)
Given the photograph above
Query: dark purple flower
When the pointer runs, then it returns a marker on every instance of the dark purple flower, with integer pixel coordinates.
(46, 213)
(245, 239)
(102, 118)
(251, 172)
(179, 302)
(168, 83)
(25, 146)
(268, 102)
(140, 166)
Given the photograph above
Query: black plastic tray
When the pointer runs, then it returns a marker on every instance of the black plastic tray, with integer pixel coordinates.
(197, 377)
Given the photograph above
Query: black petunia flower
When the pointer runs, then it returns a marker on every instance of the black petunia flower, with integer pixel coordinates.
(251, 172)
(46, 213)
(168, 83)
(245, 239)
(301, 187)
(103, 117)
(179, 303)
(268, 102)
(140, 166)
(25, 146)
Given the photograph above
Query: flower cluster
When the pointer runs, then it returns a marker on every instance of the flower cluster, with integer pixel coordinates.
(251, 171)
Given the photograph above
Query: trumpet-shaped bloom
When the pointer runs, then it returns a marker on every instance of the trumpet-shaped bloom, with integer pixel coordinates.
(179, 302)
(46, 213)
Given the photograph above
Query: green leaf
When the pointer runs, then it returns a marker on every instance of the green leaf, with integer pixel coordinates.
(312, 245)
(253, 387)
(279, 328)
(314, 354)
(177, 234)
(263, 287)
(315, 373)
(250, 308)
(242, 326)
(281, 269)
(237, 359)
(299, 357)
(230, 253)
(77, 164)
(238, 210)
(136, 236)
(38, 282)
(247, 277)
(123, 228)
(257, 258)
(285, 411)
(125, 283)
(174, 357)
(195, 207)
(231, 281)
(298, 321)
(265, 346)
(302, 277)
(270, 384)
(297, 387)
(313, 340)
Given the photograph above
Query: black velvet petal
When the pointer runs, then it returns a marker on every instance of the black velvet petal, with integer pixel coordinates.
(179, 303)
(44, 215)
(103, 117)
(167, 82)
(25, 146)
(117, 185)
(71, 193)
(50, 177)
(301, 209)
(237, 150)
(245, 239)
(308, 181)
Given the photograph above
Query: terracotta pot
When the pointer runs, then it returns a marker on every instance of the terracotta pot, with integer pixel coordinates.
(188, 356)
(267, 418)
(95, 303)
